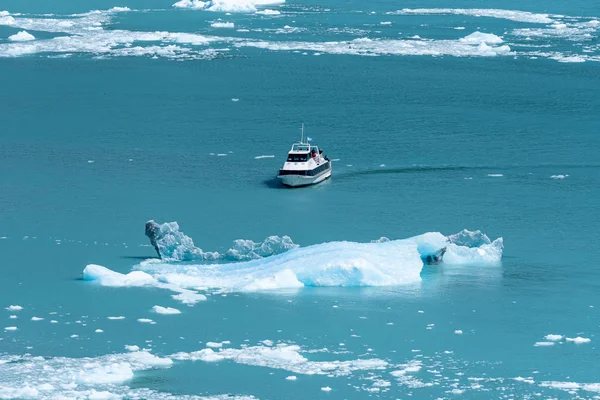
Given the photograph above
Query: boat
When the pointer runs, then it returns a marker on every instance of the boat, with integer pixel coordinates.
(305, 164)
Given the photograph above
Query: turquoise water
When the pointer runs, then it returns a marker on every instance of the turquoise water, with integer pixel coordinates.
(113, 127)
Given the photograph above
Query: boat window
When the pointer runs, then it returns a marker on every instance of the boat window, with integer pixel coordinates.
(297, 157)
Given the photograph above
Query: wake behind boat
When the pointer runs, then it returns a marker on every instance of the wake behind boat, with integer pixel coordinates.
(305, 165)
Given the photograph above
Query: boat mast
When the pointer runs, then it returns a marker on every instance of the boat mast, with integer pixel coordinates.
(302, 139)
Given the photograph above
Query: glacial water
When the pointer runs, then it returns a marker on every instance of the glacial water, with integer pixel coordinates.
(465, 126)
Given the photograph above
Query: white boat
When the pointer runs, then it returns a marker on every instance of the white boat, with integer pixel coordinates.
(305, 165)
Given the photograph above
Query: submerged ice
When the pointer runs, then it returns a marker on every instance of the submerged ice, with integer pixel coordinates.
(280, 264)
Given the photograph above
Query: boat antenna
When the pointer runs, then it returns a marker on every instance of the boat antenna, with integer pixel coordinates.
(302, 140)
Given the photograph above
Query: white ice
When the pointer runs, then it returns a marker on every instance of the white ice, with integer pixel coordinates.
(513, 15)
(165, 310)
(21, 36)
(14, 308)
(285, 357)
(229, 25)
(578, 340)
(36, 318)
(553, 338)
(238, 6)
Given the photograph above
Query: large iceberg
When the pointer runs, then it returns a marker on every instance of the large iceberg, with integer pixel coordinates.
(184, 268)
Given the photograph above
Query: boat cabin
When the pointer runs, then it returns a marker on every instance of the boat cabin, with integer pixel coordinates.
(302, 152)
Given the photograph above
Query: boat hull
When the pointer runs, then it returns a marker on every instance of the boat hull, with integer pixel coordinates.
(302, 180)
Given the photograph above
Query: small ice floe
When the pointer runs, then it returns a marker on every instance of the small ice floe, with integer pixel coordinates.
(132, 347)
(214, 344)
(221, 155)
(382, 165)
(525, 380)
(91, 161)
(362, 317)
(579, 340)
(146, 321)
(165, 310)
(538, 344)
(116, 318)
(421, 312)
(291, 378)
(13, 317)
(226, 25)
(235, 100)
(390, 323)
(264, 156)
(99, 331)
(495, 175)
(326, 389)
(53, 321)
(553, 338)
(460, 28)
(335, 306)
(385, 23)
(74, 336)
(559, 176)
(14, 308)
(458, 332)
(268, 12)
(10, 328)
(37, 319)
(267, 342)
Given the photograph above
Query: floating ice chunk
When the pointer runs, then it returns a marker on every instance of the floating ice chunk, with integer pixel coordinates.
(513, 15)
(165, 310)
(14, 308)
(559, 176)
(268, 12)
(291, 378)
(74, 336)
(132, 348)
(228, 25)
(326, 389)
(578, 340)
(10, 328)
(285, 357)
(36, 319)
(54, 321)
(214, 344)
(146, 321)
(13, 317)
(235, 100)
(268, 156)
(267, 342)
(385, 23)
(458, 332)
(478, 38)
(243, 6)
(553, 338)
(537, 344)
(106, 277)
(116, 318)
(99, 331)
(526, 380)
(21, 36)
(459, 28)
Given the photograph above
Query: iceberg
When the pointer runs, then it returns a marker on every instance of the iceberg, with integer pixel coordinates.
(240, 6)
(271, 265)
